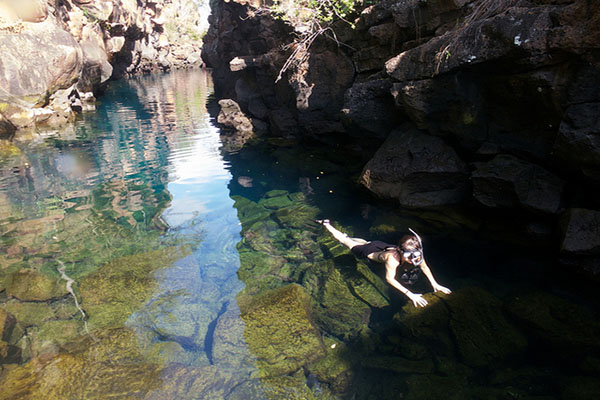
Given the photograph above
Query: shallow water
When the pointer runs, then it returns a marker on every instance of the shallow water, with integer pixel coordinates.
(200, 273)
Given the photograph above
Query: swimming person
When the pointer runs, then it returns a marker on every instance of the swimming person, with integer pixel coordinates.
(408, 255)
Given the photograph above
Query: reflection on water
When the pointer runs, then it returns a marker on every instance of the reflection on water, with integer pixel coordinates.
(202, 274)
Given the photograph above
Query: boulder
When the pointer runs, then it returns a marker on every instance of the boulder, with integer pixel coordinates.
(566, 326)
(232, 117)
(580, 229)
(280, 331)
(489, 341)
(508, 182)
(578, 138)
(28, 75)
(341, 312)
(417, 170)
(369, 106)
(30, 285)
(113, 292)
(96, 69)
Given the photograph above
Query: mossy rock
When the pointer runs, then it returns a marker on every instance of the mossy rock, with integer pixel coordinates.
(281, 200)
(29, 313)
(116, 290)
(254, 265)
(249, 212)
(482, 334)
(339, 311)
(69, 376)
(275, 193)
(119, 345)
(52, 334)
(368, 287)
(29, 285)
(557, 321)
(280, 331)
(427, 325)
(298, 215)
(337, 368)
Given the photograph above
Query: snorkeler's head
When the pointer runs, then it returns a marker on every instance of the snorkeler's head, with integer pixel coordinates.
(411, 249)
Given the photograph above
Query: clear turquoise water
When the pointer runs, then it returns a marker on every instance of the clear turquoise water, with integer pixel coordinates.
(202, 274)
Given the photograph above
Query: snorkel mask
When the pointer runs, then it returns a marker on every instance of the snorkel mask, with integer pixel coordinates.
(415, 257)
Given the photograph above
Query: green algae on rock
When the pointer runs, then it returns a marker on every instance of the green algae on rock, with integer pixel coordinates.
(29, 313)
(447, 324)
(492, 338)
(280, 331)
(337, 368)
(557, 321)
(116, 290)
(339, 312)
(29, 285)
(50, 335)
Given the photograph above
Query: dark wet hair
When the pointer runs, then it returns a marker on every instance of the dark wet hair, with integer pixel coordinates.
(409, 242)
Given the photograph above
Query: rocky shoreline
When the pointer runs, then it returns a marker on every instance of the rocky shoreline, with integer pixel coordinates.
(57, 56)
(486, 104)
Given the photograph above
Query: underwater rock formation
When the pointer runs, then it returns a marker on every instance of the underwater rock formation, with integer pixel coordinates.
(283, 318)
(29, 285)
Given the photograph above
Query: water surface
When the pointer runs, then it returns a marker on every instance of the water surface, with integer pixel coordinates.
(199, 273)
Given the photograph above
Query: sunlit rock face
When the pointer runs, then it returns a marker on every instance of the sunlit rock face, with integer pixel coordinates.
(57, 56)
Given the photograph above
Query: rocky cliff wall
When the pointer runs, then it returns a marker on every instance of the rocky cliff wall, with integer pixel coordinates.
(487, 103)
(57, 54)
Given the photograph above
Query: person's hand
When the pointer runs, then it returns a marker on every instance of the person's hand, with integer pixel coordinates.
(417, 299)
(440, 288)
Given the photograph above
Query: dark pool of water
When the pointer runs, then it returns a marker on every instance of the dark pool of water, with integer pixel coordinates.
(200, 273)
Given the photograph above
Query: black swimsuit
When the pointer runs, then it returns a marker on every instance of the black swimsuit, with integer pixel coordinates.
(363, 250)
(408, 277)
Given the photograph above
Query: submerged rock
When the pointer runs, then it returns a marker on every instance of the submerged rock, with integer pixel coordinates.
(116, 290)
(468, 325)
(29, 313)
(280, 331)
(339, 312)
(482, 333)
(229, 349)
(30, 285)
(567, 326)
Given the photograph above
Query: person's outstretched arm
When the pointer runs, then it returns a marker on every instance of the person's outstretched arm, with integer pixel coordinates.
(390, 277)
(436, 286)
